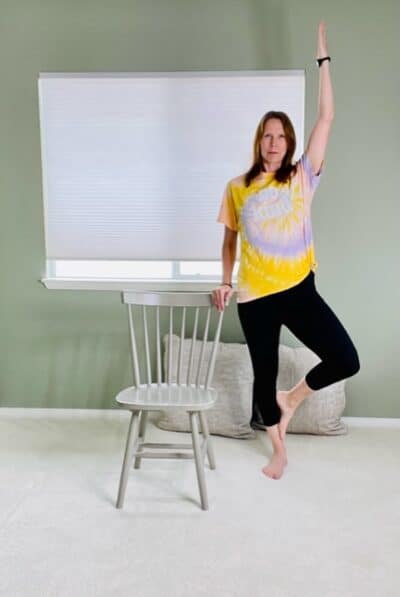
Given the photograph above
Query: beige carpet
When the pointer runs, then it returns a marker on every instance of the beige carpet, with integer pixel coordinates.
(329, 528)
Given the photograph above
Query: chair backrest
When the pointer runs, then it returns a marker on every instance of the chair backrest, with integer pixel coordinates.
(176, 303)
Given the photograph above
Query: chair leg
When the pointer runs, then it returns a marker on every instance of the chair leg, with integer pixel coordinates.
(206, 433)
(142, 432)
(199, 461)
(129, 449)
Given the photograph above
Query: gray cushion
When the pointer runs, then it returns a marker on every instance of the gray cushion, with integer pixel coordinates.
(319, 414)
(232, 379)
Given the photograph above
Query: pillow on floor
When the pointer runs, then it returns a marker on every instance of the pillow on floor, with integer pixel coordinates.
(320, 413)
(233, 379)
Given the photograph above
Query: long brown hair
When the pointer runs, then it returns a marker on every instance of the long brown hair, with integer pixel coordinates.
(286, 170)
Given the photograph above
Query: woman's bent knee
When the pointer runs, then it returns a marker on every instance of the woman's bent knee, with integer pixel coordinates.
(351, 364)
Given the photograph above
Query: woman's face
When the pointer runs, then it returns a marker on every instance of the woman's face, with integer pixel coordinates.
(273, 143)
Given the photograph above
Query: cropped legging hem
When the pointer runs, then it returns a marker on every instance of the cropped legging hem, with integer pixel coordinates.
(305, 313)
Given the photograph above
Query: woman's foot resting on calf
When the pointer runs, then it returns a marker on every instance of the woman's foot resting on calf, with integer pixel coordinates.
(289, 401)
(287, 409)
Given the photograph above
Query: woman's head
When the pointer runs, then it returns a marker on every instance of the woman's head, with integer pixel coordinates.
(275, 143)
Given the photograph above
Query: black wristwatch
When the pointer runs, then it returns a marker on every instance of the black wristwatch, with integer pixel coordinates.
(320, 60)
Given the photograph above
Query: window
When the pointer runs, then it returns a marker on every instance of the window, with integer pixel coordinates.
(134, 166)
(140, 270)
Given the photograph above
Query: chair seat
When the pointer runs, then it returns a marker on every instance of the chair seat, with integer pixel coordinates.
(164, 396)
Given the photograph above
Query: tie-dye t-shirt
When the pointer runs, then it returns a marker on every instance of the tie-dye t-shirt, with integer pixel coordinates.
(274, 224)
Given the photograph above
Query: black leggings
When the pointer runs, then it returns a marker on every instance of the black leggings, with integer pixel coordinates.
(304, 312)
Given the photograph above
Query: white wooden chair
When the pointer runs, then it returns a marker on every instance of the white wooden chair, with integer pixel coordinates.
(165, 394)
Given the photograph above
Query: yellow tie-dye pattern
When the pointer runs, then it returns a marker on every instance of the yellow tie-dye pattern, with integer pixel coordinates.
(261, 274)
(273, 275)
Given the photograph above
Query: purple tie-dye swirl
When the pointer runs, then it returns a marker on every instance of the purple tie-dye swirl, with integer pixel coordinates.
(266, 214)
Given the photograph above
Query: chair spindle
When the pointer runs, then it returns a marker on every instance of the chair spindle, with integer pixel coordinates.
(194, 337)
(146, 344)
(203, 346)
(211, 363)
(180, 357)
(134, 355)
(170, 345)
(158, 344)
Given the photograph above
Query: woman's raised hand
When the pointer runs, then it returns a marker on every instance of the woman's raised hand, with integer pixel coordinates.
(221, 296)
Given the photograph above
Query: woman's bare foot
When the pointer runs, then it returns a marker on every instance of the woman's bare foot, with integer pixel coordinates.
(274, 469)
(289, 401)
(287, 409)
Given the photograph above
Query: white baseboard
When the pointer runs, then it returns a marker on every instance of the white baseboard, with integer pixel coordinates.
(111, 413)
(100, 413)
(371, 422)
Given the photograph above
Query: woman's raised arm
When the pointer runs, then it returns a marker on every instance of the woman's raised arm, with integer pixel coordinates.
(318, 140)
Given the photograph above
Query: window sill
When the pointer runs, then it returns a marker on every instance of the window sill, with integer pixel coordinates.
(120, 284)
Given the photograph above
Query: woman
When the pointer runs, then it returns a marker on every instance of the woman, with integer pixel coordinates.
(270, 207)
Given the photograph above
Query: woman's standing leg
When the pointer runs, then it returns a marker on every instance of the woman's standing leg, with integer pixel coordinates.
(311, 319)
(260, 321)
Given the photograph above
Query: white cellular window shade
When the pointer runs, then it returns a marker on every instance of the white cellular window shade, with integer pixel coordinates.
(134, 164)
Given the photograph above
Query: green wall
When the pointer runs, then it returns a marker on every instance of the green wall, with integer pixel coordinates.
(68, 348)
